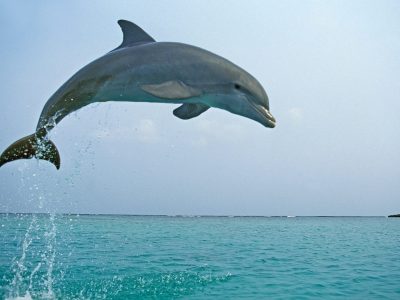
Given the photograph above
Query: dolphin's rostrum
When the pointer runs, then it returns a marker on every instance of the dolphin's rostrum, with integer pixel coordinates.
(143, 70)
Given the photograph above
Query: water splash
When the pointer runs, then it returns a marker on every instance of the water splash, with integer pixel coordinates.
(30, 277)
(31, 271)
(19, 269)
(50, 255)
(52, 121)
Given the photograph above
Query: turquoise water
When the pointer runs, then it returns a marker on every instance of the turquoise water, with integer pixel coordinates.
(132, 257)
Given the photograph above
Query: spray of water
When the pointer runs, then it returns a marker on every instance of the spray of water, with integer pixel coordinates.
(19, 269)
(33, 266)
(35, 271)
(50, 255)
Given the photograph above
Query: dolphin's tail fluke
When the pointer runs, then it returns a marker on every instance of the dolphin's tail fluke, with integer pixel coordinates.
(31, 146)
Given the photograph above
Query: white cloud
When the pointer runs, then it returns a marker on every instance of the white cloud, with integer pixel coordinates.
(211, 130)
(296, 114)
(200, 141)
(147, 131)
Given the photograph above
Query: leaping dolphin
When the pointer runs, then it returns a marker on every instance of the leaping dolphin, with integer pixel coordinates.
(143, 70)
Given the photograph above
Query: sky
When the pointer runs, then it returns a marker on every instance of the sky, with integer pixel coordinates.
(331, 70)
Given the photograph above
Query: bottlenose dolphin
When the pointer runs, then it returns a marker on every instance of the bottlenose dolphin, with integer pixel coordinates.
(143, 70)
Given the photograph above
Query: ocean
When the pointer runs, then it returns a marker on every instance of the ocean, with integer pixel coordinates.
(50, 256)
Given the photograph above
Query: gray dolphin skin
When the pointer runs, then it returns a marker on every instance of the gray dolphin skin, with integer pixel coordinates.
(143, 70)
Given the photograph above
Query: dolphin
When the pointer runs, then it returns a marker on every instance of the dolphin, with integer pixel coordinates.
(143, 70)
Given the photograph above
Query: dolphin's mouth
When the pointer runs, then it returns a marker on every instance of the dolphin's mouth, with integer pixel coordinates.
(262, 115)
(266, 118)
(270, 121)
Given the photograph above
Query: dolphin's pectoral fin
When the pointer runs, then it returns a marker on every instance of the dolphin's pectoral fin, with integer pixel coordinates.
(171, 90)
(133, 35)
(190, 110)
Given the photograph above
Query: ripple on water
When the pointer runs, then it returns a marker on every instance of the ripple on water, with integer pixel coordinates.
(120, 257)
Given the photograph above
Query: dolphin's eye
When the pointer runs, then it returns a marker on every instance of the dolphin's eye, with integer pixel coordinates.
(237, 86)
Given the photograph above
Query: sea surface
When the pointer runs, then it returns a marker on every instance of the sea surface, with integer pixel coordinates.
(46, 256)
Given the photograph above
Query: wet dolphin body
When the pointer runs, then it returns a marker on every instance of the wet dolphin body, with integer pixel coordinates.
(142, 70)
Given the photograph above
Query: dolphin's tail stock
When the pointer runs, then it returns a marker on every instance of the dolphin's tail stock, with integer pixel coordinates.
(35, 145)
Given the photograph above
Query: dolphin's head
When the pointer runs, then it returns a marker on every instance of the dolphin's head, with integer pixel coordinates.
(243, 95)
(250, 100)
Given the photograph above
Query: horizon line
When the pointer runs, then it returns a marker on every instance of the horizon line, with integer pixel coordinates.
(195, 215)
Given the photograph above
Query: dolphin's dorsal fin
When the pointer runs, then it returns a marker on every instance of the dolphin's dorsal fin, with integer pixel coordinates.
(190, 110)
(133, 35)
